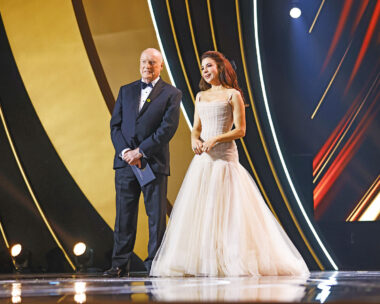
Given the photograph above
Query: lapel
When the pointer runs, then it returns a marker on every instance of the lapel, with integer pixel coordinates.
(136, 93)
(155, 92)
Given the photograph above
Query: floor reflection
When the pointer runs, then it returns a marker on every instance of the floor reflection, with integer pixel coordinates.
(263, 289)
(319, 287)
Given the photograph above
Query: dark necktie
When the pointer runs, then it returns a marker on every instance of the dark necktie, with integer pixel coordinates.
(144, 85)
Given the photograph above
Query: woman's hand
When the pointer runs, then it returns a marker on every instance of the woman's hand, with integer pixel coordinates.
(196, 145)
(209, 144)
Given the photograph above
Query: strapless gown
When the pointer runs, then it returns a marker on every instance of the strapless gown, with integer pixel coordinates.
(220, 225)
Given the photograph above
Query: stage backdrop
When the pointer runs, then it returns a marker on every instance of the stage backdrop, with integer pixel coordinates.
(59, 84)
(311, 86)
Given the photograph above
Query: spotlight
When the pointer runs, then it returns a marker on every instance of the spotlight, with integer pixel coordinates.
(84, 256)
(16, 250)
(21, 257)
(79, 248)
(295, 12)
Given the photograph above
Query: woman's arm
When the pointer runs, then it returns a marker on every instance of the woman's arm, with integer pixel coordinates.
(239, 122)
(196, 143)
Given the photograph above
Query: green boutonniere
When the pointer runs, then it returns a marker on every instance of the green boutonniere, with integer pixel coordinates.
(148, 100)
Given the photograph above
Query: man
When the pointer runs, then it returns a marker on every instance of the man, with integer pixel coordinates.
(144, 119)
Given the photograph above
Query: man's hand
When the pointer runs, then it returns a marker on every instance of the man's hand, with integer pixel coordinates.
(132, 157)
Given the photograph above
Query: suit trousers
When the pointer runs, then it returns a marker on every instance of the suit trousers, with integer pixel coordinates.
(128, 192)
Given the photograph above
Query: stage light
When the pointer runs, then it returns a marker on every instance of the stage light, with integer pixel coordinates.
(79, 248)
(295, 12)
(84, 256)
(21, 257)
(16, 250)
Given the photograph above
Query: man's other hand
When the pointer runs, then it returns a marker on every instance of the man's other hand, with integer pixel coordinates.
(132, 157)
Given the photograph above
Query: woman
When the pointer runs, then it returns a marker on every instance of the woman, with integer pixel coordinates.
(220, 224)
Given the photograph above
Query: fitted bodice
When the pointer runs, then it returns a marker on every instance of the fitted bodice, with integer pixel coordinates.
(217, 118)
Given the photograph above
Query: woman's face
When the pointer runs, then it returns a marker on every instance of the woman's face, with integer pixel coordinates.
(210, 71)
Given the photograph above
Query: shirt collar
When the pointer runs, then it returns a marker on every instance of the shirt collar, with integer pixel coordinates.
(154, 81)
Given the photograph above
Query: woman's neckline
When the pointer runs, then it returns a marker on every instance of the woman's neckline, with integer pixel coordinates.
(221, 100)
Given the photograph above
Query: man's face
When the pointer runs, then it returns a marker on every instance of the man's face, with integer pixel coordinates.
(150, 65)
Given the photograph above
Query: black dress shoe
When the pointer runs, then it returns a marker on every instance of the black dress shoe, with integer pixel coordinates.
(114, 272)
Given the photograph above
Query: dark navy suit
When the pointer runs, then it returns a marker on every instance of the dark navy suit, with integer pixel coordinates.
(150, 130)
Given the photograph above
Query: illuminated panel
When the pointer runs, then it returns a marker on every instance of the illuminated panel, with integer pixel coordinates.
(55, 69)
(373, 211)
(364, 202)
(328, 146)
(278, 149)
(166, 61)
(343, 133)
(344, 156)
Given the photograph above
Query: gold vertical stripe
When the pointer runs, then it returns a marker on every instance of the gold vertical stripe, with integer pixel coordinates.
(6, 241)
(31, 192)
(330, 83)
(3, 235)
(178, 50)
(211, 25)
(265, 145)
(316, 16)
(253, 107)
(192, 34)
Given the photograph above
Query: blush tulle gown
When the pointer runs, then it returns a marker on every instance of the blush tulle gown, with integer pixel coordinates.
(220, 224)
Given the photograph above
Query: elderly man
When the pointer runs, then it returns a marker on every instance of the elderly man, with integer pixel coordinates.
(144, 119)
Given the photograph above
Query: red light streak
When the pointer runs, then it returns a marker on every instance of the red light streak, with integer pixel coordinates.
(342, 21)
(334, 137)
(365, 44)
(363, 6)
(345, 155)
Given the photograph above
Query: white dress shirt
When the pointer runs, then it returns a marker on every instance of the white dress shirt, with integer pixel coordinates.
(145, 92)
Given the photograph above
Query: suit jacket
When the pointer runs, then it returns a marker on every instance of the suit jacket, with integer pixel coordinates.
(150, 129)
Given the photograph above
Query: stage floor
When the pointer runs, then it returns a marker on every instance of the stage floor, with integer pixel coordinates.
(319, 287)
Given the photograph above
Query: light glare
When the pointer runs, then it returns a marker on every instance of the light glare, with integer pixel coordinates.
(80, 287)
(16, 250)
(79, 248)
(295, 12)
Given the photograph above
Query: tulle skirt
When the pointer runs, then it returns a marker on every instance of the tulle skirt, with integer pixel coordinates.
(221, 226)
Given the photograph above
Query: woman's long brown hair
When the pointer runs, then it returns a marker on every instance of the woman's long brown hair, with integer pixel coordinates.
(227, 75)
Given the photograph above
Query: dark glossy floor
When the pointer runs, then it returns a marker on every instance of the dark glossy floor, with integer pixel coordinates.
(319, 287)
